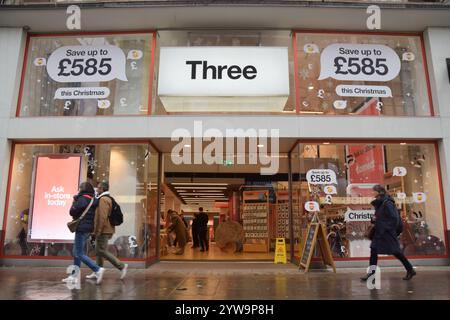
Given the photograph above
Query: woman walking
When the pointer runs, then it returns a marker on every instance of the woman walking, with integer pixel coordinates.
(84, 202)
(387, 227)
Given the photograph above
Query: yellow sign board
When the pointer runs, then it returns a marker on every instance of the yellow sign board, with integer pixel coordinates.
(280, 251)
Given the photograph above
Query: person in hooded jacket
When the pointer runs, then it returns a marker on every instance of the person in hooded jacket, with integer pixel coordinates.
(84, 198)
(387, 227)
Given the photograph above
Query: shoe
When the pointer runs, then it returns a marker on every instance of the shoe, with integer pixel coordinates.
(367, 276)
(409, 274)
(99, 275)
(91, 276)
(123, 272)
(69, 279)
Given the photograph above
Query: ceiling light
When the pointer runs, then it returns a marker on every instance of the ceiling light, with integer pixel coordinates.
(187, 145)
(199, 183)
(260, 146)
(200, 188)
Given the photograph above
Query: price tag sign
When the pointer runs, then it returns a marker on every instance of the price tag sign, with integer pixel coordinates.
(359, 62)
(321, 176)
(87, 64)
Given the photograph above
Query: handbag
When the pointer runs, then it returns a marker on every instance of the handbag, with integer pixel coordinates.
(370, 233)
(73, 225)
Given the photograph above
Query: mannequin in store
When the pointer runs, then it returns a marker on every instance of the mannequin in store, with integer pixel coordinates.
(177, 225)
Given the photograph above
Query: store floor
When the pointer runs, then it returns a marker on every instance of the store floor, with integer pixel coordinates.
(207, 281)
(214, 253)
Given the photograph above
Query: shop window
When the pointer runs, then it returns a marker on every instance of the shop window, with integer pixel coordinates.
(361, 74)
(38, 189)
(78, 75)
(341, 185)
(274, 94)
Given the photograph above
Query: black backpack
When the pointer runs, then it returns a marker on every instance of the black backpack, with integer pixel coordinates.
(116, 215)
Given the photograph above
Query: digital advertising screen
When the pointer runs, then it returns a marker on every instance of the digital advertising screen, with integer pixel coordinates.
(56, 181)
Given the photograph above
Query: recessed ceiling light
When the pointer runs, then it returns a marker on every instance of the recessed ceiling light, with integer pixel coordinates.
(260, 146)
(187, 145)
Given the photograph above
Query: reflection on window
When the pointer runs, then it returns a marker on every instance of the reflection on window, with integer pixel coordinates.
(113, 84)
(132, 173)
(353, 75)
(408, 171)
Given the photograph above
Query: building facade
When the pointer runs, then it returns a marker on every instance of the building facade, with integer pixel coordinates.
(140, 92)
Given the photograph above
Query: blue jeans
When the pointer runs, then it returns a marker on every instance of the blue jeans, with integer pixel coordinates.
(79, 252)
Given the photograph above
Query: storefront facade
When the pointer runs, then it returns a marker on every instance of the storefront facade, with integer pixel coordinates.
(363, 107)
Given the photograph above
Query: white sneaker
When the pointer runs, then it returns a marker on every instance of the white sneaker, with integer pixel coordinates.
(123, 272)
(69, 279)
(99, 275)
(91, 276)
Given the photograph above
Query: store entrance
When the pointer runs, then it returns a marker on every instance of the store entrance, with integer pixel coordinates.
(246, 210)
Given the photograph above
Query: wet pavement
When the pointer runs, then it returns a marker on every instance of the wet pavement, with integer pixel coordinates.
(211, 281)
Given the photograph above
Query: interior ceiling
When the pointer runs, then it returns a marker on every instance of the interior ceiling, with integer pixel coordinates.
(298, 15)
(165, 145)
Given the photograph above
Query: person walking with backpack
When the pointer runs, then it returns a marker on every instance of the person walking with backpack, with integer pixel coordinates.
(104, 230)
(83, 208)
(387, 227)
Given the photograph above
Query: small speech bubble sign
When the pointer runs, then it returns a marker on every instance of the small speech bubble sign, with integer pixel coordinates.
(419, 197)
(312, 206)
(349, 90)
(340, 104)
(85, 63)
(38, 62)
(82, 93)
(399, 172)
(401, 195)
(321, 176)
(330, 190)
(103, 104)
(134, 54)
(408, 56)
(358, 215)
(310, 48)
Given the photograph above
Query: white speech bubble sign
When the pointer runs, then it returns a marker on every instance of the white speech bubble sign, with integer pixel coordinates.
(349, 90)
(385, 62)
(340, 104)
(82, 93)
(321, 176)
(401, 195)
(419, 197)
(38, 62)
(312, 206)
(310, 48)
(408, 56)
(70, 64)
(103, 104)
(358, 215)
(399, 172)
(134, 54)
(330, 190)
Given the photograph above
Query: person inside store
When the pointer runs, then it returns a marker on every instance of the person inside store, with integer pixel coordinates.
(194, 230)
(384, 233)
(178, 227)
(203, 229)
(84, 207)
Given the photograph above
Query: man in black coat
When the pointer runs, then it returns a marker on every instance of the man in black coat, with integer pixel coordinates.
(195, 234)
(387, 223)
(203, 229)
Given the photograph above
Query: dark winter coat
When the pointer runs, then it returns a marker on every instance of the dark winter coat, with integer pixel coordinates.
(202, 221)
(81, 201)
(386, 220)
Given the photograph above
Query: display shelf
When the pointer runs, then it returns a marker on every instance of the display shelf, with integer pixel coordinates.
(282, 214)
(255, 216)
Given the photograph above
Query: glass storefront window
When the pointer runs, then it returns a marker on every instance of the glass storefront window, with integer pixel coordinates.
(408, 171)
(78, 75)
(130, 169)
(361, 74)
